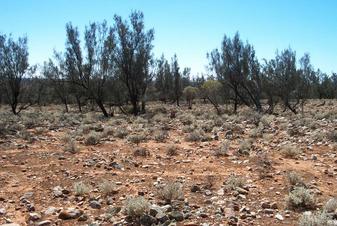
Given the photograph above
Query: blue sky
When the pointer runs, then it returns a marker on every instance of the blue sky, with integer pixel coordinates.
(189, 28)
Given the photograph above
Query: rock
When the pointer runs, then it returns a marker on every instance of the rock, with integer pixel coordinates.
(95, 204)
(147, 220)
(195, 188)
(279, 217)
(83, 217)
(242, 191)
(70, 213)
(44, 223)
(265, 205)
(175, 215)
(2, 211)
(274, 206)
(268, 211)
(162, 217)
(34, 216)
(50, 211)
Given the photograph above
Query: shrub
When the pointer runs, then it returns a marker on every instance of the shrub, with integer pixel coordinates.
(171, 150)
(196, 135)
(136, 138)
(70, 146)
(92, 138)
(319, 219)
(222, 150)
(295, 180)
(140, 151)
(332, 136)
(108, 188)
(136, 207)
(290, 151)
(121, 132)
(331, 205)
(80, 188)
(161, 136)
(234, 181)
(301, 198)
(171, 191)
(245, 146)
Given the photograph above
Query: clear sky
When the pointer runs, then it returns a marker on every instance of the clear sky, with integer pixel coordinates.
(189, 28)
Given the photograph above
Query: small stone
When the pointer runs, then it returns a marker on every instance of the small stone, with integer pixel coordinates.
(95, 204)
(34, 216)
(50, 211)
(279, 217)
(83, 217)
(175, 215)
(70, 213)
(268, 211)
(2, 211)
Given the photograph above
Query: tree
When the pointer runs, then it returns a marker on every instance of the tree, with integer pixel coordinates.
(164, 79)
(190, 94)
(14, 69)
(211, 90)
(177, 79)
(236, 66)
(57, 78)
(284, 78)
(134, 57)
(92, 70)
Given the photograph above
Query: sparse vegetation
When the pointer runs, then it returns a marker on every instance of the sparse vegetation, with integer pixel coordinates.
(136, 207)
(80, 188)
(92, 138)
(234, 181)
(171, 191)
(290, 151)
(301, 198)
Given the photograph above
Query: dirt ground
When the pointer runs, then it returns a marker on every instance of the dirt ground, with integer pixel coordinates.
(259, 149)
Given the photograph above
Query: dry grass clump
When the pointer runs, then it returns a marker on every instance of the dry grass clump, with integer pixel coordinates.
(92, 138)
(108, 188)
(70, 146)
(187, 119)
(264, 164)
(121, 132)
(234, 181)
(136, 138)
(222, 150)
(318, 219)
(301, 198)
(160, 136)
(171, 191)
(330, 206)
(245, 147)
(171, 150)
(295, 180)
(80, 188)
(290, 151)
(332, 136)
(141, 152)
(136, 207)
(197, 135)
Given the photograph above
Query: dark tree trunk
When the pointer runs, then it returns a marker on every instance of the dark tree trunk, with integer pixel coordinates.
(143, 107)
(101, 106)
(79, 105)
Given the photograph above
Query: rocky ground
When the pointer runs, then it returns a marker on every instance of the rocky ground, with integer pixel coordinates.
(196, 168)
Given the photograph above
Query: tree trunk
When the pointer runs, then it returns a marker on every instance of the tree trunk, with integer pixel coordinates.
(135, 108)
(143, 107)
(79, 105)
(101, 106)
